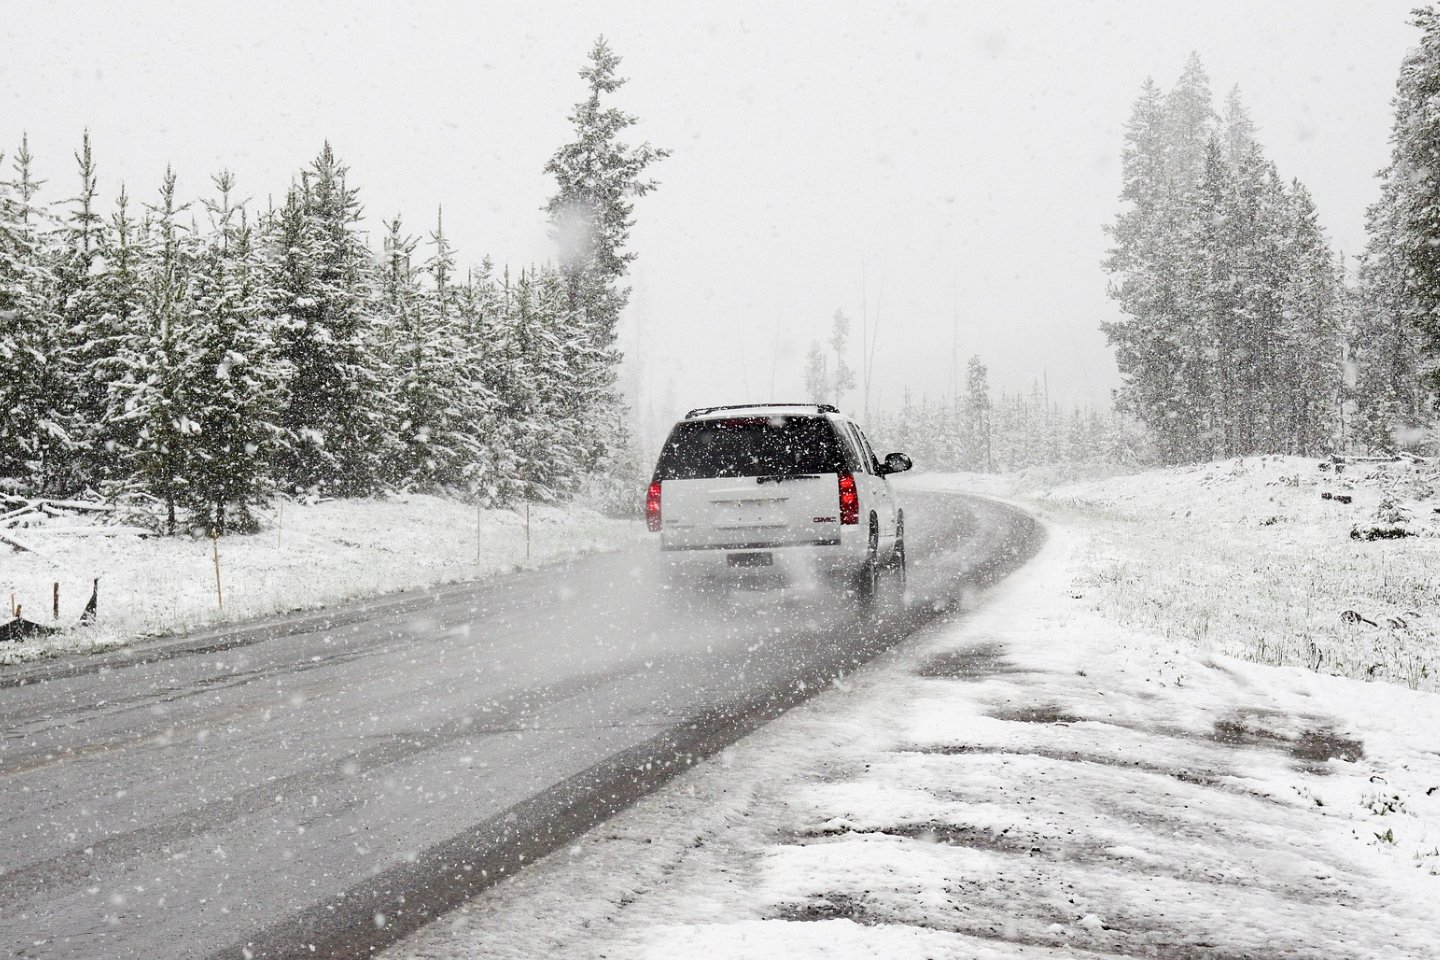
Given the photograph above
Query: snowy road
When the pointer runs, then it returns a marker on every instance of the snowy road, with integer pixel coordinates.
(320, 786)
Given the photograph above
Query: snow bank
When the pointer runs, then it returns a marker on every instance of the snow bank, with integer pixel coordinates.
(305, 556)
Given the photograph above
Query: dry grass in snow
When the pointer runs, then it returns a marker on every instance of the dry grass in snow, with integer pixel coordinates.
(1263, 559)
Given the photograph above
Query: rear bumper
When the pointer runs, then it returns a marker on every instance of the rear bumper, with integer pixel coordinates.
(757, 545)
(745, 562)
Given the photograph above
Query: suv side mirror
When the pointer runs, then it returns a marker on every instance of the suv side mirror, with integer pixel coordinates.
(896, 463)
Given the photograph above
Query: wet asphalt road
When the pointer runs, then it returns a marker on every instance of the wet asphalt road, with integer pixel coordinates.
(322, 785)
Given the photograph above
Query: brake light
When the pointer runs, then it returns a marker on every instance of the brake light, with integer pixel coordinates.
(849, 500)
(652, 507)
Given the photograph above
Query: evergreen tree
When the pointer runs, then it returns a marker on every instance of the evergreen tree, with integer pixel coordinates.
(87, 337)
(536, 457)
(113, 366)
(405, 340)
(1187, 122)
(1147, 257)
(591, 213)
(323, 280)
(817, 375)
(1230, 336)
(597, 175)
(158, 357)
(1309, 356)
(1383, 345)
(34, 444)
(233, 377)
(443, 398)
(977, 409)
(844, 377)
(480, 308)
(1396, 338)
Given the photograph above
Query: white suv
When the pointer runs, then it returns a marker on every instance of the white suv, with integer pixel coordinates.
(794, 487)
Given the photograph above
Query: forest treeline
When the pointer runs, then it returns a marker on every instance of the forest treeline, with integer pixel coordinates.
(203, 354)
(1243, 332)
(974, 430)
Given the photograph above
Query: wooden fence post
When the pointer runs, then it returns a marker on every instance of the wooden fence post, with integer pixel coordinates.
(215, 546)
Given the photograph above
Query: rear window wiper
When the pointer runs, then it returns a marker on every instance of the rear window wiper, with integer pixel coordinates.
(782, 477)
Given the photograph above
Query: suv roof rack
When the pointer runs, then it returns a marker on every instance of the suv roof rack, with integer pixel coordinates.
(702, 411)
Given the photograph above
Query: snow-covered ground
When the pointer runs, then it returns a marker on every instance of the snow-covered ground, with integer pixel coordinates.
(1282, 560)
(1263, 558)
(305, 556)
(1051, 775)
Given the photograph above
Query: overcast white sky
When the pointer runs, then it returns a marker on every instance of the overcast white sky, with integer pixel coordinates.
(961, 158)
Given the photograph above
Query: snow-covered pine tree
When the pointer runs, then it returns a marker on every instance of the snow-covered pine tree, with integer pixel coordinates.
(817, 374)
(157, 359)
(403, 338)
(232, 377)
(844, 376)
(577, 398)
(591, 212)
(536, 458)
(329, 412)
(115, 435)
(443, 399)
(1400, 272)
(89, 337)
(35, 447)
(480, 308)
(1146, 259)
(1260, 410)
(1230, 332)
(1213, 345)
(597, 175)
(1383, 345)
(1307, 356)
(977, 412)
(1187, 122)
(453, 441)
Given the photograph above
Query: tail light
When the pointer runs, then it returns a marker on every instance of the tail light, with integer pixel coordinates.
(849, 500)
(652, 507)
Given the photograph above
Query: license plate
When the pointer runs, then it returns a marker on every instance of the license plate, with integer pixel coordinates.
(749, 559)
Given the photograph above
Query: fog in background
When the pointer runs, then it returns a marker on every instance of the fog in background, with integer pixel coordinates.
(944, 170)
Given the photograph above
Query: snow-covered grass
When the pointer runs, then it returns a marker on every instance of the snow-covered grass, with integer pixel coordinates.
(1250, 558)
(305, 556)
(1032, 779)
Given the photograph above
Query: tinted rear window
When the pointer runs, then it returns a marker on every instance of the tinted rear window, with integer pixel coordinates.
(750, 447)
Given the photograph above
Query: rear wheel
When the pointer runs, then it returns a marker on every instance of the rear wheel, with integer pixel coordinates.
(867, 580)
(897, 559)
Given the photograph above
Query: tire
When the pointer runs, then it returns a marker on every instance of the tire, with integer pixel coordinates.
(867, 579)
(897, 559)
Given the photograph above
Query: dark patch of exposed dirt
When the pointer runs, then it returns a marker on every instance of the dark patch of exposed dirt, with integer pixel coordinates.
(1127, 941)
(951, 834)
(1200, 777)
(829, 906)
(977, 662)
(1039, 713)
(1315, 747)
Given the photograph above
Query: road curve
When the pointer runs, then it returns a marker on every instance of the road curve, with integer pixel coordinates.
(320, 786)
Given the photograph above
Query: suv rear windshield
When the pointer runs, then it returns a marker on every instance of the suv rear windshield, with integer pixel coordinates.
(750, 447)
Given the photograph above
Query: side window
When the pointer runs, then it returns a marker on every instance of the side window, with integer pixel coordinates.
(869, 453)
(858, 442)
(854, 453)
